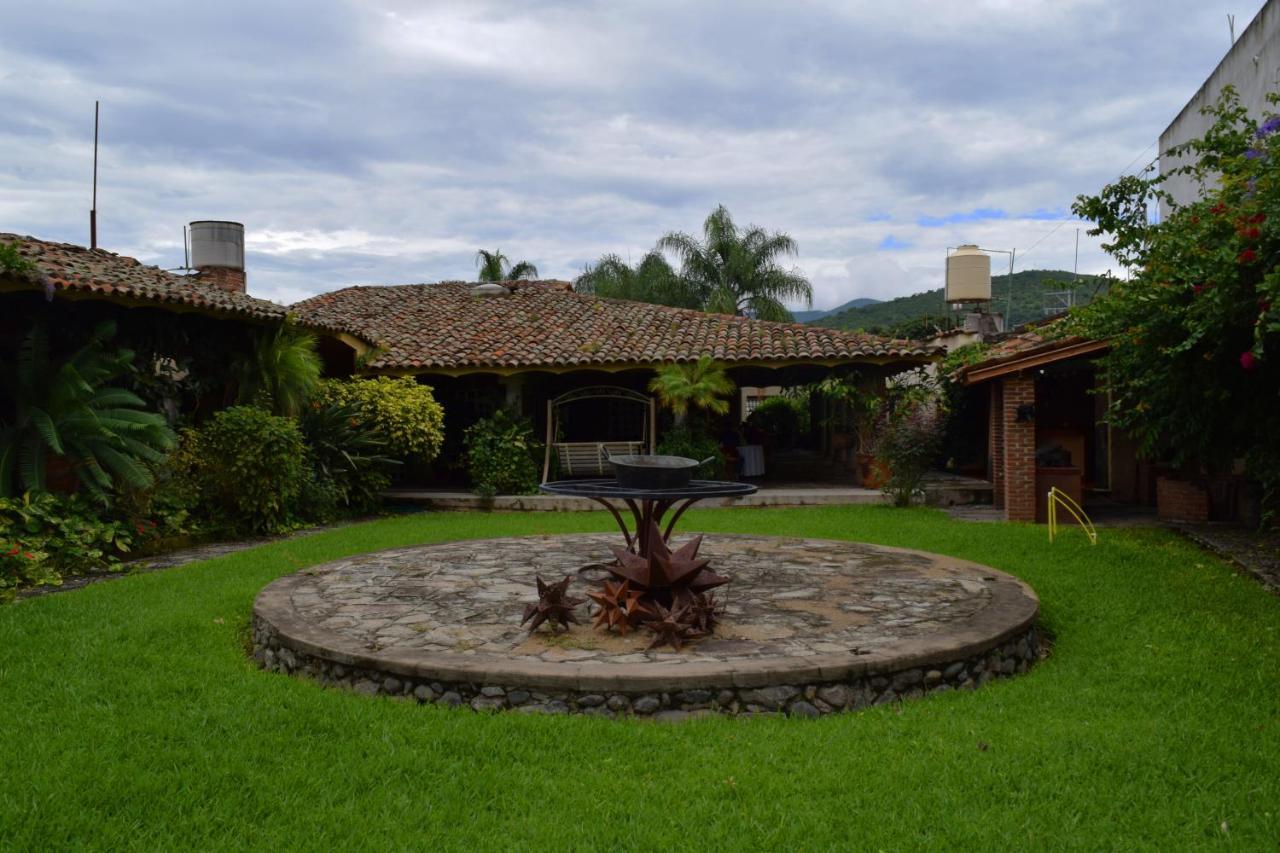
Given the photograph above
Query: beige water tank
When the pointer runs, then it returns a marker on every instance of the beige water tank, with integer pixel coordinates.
(968, 275)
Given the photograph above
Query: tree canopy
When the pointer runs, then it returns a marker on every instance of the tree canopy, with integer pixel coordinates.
(729, 270)
(495, 266)
(1193, 371)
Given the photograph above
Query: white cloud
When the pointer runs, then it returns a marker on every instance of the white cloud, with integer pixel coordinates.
(387, 141)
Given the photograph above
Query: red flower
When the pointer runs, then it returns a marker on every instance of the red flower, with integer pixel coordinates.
(1258, 218)
(1250, 233)
(14, 550)
(1197, 289)
(1248, 361)
(1218, 208)
(29, 555)
(1248, 256)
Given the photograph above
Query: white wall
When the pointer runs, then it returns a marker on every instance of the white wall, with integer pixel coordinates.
(1253, 67)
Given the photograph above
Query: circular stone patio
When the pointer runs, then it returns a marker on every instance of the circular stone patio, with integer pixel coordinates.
(810, 626)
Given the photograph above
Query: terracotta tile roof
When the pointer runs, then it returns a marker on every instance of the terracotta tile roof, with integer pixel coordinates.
(65, 266)
(547, 324)
(1045, 343)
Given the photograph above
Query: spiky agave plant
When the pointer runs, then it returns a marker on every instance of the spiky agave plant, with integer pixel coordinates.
(71, 409)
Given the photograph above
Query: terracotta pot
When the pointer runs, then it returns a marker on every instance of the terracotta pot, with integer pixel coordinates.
(60, 475)
(873, 472)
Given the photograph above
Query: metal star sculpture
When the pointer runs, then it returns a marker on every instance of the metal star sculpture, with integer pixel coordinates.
(665, 574)
(619, 606)
(705, 611)
(554, 605)
(671, 627)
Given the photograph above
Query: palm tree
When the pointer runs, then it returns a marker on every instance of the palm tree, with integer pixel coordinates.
(702, 384)
(282, 366)
(737, 272)
(71, 410)
(652, 280)
(495, 266)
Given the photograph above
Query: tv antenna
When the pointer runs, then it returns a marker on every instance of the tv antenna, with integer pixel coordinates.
(93, 211)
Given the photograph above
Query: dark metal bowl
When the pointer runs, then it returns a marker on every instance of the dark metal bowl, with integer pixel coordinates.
(654, 471)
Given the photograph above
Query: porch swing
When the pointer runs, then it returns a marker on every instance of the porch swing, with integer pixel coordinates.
(591, 458)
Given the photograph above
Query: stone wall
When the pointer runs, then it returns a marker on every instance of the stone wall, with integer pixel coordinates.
(1009, 657)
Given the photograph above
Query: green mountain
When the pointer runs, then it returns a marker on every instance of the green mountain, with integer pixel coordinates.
(810, 316)
(916, 314)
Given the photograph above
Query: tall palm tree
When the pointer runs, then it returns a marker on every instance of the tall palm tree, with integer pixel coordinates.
(736, 271)
(495, 266)
(652, 280)
(701, 384)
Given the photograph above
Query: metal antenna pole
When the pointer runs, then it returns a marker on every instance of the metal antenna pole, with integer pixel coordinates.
(93, 211)
(1008, 319)
(186, 252)
(1075, 266)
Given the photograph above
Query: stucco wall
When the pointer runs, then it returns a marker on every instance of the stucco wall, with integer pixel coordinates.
(1253, 67)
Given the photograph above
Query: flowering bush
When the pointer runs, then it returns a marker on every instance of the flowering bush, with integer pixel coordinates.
(402, 411)
(45, 536)
(907, 435)
(1194, 366)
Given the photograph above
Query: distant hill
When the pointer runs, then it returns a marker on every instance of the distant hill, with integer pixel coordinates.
(1030, 288)
(810, 316)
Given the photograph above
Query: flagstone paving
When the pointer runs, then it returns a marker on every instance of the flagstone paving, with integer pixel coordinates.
(796, 611)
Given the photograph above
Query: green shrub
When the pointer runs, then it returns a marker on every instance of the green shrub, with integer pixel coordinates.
(349, 465)
(908, 435)
(72, 410)
(403, 412)
(45, 536)
(252, 469)
(694, 444)
(501, 454)
(786, 419)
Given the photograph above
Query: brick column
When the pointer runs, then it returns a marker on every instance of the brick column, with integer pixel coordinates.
(995, 442)
(1019, 450)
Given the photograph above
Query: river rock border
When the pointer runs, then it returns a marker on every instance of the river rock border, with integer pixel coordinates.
(1000, 640)
(801, 699)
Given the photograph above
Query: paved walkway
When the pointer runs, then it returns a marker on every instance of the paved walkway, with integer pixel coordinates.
(1256, 553)
(169, 560)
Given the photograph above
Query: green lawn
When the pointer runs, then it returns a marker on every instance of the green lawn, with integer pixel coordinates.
(131, 717)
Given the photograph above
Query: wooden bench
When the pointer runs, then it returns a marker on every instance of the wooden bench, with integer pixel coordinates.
(591, 458)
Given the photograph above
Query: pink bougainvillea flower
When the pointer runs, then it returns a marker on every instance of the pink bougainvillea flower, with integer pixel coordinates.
(1248, 256)
(1248, 360)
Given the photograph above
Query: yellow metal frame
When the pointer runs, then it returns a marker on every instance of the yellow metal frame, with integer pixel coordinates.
(1056, 497)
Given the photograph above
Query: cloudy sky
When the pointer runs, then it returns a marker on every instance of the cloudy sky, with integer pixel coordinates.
(381, 142)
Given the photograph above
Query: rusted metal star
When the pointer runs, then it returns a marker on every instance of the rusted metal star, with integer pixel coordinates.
(619, 606)
(554, 605)
(671, 627)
